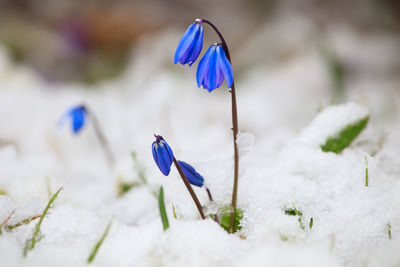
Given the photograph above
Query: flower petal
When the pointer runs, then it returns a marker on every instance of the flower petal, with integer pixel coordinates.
(197, 47)
(185, 42)
(78, 119)
(202, 69)
(211, 76)
(191, 174)
(225, 66)
(162, 155)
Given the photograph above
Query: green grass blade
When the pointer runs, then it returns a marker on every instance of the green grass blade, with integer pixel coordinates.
(343, 139)
(98, 244)
(163, 213)
(389, 231)
(30, 243)
(173, 209)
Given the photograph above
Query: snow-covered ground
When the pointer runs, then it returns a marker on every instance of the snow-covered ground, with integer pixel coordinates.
(284, 116)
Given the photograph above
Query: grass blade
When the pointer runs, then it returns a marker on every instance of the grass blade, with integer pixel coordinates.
(98, 244)
(30, 243)
(163, 213)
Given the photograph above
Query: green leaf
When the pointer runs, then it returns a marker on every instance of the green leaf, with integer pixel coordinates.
(343, 139)
(98, 244)
(225, 215)
(37, 236)
(163, 213)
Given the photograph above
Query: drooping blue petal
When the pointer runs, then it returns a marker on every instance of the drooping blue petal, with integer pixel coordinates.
(213, 68)
(225, 66)
(211, 75)
(191, 174)
(77, 115)
(203, 67)
(197, 47)
(185, 41)
(163, 155)
(190, 45)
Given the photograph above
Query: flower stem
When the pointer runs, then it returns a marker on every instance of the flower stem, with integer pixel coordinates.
(212, 200)
(209, 194)
(101, 137)
(234, 130)
(190, 189)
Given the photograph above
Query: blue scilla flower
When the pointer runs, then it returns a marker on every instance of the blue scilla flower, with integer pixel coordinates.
(191, 174)
(190, 45)
(77, 115)
(162, 154)
(213, 68)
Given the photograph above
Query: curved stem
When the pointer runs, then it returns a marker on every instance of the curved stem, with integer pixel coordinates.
(189, 188)
(211, 200)
(234, 130)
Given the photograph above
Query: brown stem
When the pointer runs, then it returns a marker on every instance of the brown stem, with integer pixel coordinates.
(209, 194)
(190, 189)
(234, 130)
(6, 220)
(212, 200)
(100, 136)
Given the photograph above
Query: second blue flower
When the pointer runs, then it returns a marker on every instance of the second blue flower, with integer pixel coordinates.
(213, 68)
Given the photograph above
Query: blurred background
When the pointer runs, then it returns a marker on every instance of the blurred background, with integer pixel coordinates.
(291, 59)
(90, 41)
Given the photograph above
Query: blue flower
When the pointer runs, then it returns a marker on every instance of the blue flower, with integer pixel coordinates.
(190, 45)
(77, 115)
(213, 68)
(162, 154)
(191, 174)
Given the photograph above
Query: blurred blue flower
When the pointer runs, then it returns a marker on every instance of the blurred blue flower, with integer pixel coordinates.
(213, 68)
(162, 154)
(191, 174)
(77, 115)
(190, 45)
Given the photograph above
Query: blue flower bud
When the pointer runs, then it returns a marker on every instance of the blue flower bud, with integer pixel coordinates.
(77, 115)
(162, 154)
(213, 68)
(191, 174)
(190, 45)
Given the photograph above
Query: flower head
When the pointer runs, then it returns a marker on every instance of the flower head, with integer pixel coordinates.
(191, 174)
(190, 45)
(77, 115)
(162, 154)
(213, 68)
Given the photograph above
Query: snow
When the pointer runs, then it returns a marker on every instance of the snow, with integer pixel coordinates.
(281, 164)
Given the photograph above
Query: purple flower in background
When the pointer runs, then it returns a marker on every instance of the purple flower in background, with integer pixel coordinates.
(162, 154)
(77, 115)
(191, 174)
(190, 45)
(213, 68)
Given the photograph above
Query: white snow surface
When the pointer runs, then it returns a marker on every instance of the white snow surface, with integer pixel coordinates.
(281, 164)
